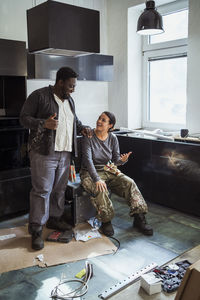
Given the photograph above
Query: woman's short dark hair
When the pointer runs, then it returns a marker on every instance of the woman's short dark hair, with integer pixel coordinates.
(112, 119)
(65, 73)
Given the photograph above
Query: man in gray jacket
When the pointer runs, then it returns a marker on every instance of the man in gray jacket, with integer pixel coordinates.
(49, 113)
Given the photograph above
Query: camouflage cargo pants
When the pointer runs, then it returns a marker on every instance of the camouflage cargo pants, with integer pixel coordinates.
(120, 185)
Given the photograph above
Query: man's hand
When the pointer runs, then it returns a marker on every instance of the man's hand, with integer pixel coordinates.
(51, 123)
(101, 186)
(124, 157)
(87, 131)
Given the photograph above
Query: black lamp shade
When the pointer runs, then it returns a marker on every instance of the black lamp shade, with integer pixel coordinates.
(150, 22)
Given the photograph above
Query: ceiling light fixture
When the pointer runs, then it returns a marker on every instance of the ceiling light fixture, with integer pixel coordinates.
(150, 22)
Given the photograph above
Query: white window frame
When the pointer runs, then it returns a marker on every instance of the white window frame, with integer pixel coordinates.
(176, 48)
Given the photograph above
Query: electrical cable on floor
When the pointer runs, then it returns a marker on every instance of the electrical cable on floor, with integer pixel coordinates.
(56, 293)
(118, 242)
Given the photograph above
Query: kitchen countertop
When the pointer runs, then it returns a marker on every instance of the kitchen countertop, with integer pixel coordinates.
(170, 139)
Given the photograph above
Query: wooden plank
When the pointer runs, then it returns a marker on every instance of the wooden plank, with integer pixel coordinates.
(187, 139)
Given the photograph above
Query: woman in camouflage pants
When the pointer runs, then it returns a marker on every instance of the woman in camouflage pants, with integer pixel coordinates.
(100, 158)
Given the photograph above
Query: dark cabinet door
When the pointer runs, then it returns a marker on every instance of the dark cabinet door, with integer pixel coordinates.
(15, 179)
(13, 58)
(12, 95)
(167, 173)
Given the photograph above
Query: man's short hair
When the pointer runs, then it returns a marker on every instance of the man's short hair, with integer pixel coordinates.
(65, 73)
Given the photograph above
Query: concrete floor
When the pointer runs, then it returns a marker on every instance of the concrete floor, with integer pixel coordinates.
(174, 233)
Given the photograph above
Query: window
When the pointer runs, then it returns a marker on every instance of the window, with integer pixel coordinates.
(177, 20)
(168, 98)
(165, 71)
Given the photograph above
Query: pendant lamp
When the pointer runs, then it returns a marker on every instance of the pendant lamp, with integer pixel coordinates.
(150, 22)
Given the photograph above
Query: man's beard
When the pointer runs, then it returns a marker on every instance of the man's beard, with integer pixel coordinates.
(64, 94)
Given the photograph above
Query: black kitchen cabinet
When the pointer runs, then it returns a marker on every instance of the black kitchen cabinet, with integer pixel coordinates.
(12, 95)
(13, 58)
(167, 173)
(13, 72)
(15, 180)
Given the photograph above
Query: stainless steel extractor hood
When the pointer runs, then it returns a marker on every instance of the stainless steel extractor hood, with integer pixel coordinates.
(61, 29)
(93, 67)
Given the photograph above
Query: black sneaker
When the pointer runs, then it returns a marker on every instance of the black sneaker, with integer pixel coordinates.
(107, 229)
(141, 224)
(58, 224)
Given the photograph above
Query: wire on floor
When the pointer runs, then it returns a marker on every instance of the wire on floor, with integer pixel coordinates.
(118, 242)
(57, 292)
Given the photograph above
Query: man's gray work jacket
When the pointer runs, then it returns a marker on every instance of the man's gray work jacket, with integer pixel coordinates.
(38, 107)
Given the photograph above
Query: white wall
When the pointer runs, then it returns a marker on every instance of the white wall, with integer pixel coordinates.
(124, 93)
(91, 97)
(13, 19)
(124, 96)
(89, 102)
(193, 82)
(134, 119)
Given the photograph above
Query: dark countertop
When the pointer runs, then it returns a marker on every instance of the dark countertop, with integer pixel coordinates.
(177, 139)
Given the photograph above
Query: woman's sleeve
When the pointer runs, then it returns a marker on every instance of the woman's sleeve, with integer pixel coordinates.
(87, 160)
(116, 152)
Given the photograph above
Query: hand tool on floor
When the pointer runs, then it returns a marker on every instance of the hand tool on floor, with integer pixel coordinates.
(126, 282)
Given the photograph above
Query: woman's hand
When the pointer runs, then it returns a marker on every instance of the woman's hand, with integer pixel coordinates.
(124, 157)
(101, 186)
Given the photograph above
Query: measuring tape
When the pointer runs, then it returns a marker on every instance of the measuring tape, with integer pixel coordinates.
(127, 281)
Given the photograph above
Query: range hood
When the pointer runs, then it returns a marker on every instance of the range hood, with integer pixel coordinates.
(93, 67)
(61, 29)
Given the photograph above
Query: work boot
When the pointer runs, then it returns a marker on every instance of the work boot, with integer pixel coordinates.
(36, 232)
(58, 224)
(141, 224)
(107, 229)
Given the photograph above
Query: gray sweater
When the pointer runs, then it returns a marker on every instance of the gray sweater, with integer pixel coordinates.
(98, 153)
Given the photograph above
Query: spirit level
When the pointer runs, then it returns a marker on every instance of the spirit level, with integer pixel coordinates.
(127, 281)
